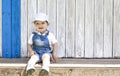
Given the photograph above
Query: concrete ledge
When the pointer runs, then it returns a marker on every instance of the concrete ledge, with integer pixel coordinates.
(64, 69)
(64, 65)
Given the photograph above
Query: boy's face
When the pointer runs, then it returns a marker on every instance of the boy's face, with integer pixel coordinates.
(41, 26)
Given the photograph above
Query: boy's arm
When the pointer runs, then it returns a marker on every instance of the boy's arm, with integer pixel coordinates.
(55, 47)
(31, 52)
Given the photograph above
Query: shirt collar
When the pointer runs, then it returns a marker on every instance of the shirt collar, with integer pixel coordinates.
(40, 33)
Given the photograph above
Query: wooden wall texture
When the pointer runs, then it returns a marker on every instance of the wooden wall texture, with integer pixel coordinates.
(84, 28)
(0, 28)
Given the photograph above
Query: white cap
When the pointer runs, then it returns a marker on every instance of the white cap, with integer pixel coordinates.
(41, 17)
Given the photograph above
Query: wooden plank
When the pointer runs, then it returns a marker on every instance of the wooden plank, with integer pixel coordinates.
(61, 27)
(31, 6)
(89, 24)
(116, 29)
(16, 29)
(70, 28)
(98, 29)
(79, 39)
(24, 28)
(42, 6)
(51, 11)
(1, 28)
(6, 29)
(31, 14)
(108, 21)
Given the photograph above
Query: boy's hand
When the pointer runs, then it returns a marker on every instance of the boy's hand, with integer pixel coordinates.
(32, 53)
(55, 58)
(54, 55)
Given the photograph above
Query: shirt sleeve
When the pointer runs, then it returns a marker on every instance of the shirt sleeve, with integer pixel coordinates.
(52, 38)
(30, 40)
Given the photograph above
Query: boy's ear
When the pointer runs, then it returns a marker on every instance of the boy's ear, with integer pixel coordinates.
(34, 22)
(47, 22)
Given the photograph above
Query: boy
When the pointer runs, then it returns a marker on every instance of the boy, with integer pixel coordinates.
(42, 45)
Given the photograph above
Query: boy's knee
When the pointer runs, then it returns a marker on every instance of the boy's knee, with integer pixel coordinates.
(46, 56)
(33, 58)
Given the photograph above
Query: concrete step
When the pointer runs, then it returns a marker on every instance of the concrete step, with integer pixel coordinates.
(18, 69)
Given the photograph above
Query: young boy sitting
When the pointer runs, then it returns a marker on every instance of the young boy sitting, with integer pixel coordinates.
(42, 45)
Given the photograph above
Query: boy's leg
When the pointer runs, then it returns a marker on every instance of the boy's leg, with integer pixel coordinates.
(30, 66)
(45, 65)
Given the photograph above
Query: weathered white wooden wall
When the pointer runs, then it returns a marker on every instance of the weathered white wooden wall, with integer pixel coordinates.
(84, 28)
(0, 28)
(116, 28)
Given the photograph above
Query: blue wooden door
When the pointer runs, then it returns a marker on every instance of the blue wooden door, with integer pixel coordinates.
(11, 28)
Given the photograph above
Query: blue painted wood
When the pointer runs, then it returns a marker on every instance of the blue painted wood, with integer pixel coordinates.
(11, 29)
(6, 28)
(16, 29)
